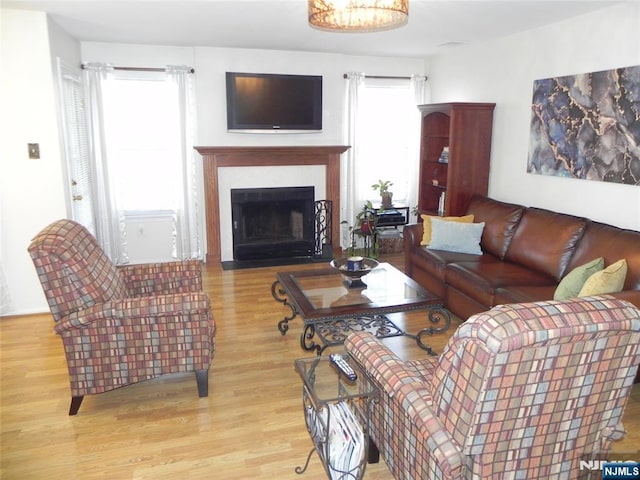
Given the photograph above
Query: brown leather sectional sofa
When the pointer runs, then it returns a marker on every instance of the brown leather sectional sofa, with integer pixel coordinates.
(526, 252)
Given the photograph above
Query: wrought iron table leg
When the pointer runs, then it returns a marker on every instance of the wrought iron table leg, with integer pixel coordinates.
(307, 334)
(278, 293)
(436, 315)
(301, 470)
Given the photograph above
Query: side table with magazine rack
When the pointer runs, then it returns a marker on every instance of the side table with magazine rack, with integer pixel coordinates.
(336, 415)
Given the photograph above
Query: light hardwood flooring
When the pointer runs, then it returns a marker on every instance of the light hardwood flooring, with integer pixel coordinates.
(250, 426)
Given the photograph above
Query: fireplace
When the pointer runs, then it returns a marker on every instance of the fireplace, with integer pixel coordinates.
(225, 158)
(272, 222)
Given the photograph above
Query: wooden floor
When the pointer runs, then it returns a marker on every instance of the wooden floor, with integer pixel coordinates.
(250, 426)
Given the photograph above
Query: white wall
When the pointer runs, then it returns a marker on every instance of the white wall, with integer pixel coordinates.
(31, 191)
(211, 64)
(503, 72)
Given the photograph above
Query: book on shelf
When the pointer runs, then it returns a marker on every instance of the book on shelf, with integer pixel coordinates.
(444, 156)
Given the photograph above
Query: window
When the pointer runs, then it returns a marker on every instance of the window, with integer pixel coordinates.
(143, 141)
(387, 122)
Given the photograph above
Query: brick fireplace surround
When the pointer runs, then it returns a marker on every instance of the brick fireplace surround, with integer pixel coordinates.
(217, 157)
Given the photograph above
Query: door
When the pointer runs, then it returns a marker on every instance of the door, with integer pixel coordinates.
(76, 146)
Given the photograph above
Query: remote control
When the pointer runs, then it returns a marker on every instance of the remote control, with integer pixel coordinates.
(343, 366)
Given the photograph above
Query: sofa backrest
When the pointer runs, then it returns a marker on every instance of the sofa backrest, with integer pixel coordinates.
(545, 241)
(613, 244)
(501, 220)
(74, 271)
(518, 378)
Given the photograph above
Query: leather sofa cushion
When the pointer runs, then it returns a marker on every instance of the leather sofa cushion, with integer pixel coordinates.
(600, 240)
(544, 241)
(501, 220)
(429, 266)
(435, 261)
(480, 280)
(523, 294)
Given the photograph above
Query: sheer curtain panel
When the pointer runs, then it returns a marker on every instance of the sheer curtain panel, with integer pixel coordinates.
(187, 238)
(109, 219)
(349, 188)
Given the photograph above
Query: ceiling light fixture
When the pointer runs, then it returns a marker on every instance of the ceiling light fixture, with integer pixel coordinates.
(358, 15)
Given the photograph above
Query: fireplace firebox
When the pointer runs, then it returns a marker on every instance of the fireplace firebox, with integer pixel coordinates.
(272, 222)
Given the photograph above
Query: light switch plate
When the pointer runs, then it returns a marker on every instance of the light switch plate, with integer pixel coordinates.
(34, 150)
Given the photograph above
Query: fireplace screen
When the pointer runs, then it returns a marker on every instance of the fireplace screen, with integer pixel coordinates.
(272, 222)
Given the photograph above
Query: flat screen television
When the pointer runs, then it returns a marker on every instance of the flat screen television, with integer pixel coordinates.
(265, 102)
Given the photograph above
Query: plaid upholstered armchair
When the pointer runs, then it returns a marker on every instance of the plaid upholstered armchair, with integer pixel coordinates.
(121, 325)
(520, 391)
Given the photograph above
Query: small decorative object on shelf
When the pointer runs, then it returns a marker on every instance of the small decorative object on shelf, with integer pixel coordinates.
(441, 203)
(354, 278)
(444, 156)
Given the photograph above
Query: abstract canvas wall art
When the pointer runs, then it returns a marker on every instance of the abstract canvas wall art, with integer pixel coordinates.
(587, 126)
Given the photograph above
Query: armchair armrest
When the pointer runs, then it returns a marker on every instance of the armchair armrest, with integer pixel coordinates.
(428, 435)
(384, 367)
(127, 309)
(162, 278)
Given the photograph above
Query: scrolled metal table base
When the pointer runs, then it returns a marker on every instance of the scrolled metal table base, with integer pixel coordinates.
(332, 332)
(279, 294)
(436, 315)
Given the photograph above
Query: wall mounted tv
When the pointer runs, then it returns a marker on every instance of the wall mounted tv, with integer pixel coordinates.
(264, 102)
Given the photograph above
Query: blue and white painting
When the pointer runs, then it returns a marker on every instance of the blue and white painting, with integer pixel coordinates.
(587, 126)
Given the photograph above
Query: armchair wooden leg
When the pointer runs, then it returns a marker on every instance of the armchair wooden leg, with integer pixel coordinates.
(373, 454)
(75, 404)
(202, 378)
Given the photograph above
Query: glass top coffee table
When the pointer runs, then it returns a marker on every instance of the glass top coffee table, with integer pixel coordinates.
(331, 309)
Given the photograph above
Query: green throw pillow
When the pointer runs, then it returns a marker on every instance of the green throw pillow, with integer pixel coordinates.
(572, 283)
(609, 280)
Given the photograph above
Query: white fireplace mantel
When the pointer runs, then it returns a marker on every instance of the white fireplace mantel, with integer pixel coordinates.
(215, 158)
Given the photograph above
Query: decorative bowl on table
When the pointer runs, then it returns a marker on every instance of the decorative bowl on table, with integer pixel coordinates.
(353, 273)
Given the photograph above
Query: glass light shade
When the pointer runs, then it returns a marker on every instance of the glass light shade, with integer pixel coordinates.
(358, 15)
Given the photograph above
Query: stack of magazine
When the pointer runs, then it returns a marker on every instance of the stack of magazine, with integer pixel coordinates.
(344, 438)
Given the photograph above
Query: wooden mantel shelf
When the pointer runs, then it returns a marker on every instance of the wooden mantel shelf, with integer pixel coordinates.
(241, 156)
(279, 150)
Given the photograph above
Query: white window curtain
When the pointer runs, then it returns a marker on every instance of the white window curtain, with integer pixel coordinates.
(349, 188)
(419, 87)
(114, 200)
(187, 238)
(109, 219)
(364, 100)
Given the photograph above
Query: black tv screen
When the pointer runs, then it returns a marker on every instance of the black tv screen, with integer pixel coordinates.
(264, 102)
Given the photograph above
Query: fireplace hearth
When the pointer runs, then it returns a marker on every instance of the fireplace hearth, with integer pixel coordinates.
(271, 223)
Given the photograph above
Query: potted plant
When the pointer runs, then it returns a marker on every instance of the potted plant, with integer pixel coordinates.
(365, 219)
(386, 196)
(364, 226)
